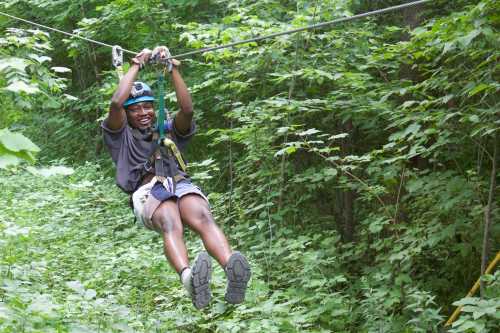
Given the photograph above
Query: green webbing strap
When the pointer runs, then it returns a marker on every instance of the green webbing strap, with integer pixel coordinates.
(161, 108)
(166, 146)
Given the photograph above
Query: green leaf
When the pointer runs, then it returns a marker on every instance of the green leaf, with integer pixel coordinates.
(448, 46)
(308, 132)
(76, 286)
(52, 171)
(13, 63)
(338, 136)
(477, 89)
(474, 118)
(8, 159)
(407, 104)
(90, 294)
(43, 304)
(40, 59)
(330, 172)
(61, 69)
(16, 142)
(465, 301)
(282, 130)
(412, 129)
(466, 40)
(21, 86)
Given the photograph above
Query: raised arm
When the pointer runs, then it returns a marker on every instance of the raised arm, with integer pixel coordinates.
(185, 115)
(117, 115)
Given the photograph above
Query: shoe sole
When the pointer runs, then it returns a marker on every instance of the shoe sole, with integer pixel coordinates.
(238, 274)
(200, 280)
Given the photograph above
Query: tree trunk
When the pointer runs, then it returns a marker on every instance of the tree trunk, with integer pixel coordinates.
(411, 16)
(349, 222)
(487, 212)
(411, 20)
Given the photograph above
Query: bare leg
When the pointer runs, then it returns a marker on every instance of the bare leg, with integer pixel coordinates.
(195, 212)
(166, 220)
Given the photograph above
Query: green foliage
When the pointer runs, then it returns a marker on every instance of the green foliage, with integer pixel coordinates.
(26, 79)
(15, 147)
(78, 263)
(480, 315)
(27, 85)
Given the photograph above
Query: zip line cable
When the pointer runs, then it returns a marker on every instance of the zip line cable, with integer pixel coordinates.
(309, 27)
(64, 32)
(245, 41)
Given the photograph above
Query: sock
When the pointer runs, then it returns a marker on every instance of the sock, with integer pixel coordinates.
(186, 279)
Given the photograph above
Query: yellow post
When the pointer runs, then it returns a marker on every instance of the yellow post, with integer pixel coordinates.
(457, 311)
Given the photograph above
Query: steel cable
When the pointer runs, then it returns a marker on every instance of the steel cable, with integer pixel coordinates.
(64, 32)
(245, 41)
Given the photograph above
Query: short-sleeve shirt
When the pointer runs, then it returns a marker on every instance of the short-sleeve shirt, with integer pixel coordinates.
(130, 150)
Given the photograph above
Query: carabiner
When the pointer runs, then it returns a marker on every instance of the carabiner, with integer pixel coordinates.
(117, 56)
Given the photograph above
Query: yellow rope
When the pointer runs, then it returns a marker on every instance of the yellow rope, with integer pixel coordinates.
(457, 311)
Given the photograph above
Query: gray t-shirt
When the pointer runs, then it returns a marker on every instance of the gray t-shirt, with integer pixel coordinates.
(131, 149)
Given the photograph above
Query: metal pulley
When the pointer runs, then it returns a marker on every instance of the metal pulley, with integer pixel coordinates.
(117, 60)
(161, 55)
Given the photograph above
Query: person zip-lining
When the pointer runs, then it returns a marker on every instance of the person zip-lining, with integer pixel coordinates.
(164, 198)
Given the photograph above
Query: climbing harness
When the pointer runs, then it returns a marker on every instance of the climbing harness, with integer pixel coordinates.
(246, 41)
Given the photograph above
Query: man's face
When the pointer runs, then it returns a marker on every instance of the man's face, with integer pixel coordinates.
(141, 115)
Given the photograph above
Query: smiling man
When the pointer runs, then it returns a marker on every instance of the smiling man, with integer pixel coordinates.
(166, 203)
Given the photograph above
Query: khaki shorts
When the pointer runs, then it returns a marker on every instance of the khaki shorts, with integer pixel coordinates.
(145, 203)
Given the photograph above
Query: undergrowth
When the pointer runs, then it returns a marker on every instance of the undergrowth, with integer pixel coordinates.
(72, 260)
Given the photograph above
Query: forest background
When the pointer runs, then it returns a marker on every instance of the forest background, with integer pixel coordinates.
(355, 165)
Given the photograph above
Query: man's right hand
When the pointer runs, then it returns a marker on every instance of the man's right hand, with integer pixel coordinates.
(142, 57)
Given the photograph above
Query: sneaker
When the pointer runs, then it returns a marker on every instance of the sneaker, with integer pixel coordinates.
(201, 274)
(238, 274)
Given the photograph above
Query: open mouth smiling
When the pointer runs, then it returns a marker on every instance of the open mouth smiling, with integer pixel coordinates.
(145, 121)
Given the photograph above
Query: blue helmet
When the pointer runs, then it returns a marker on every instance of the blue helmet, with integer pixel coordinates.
(140, 92)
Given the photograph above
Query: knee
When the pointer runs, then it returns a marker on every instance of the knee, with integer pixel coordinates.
(169, 225)
(203, 219)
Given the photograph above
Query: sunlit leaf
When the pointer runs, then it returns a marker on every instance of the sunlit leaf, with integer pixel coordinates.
(61, 69)
(51, 171)
(16, 142)
(21, 86)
